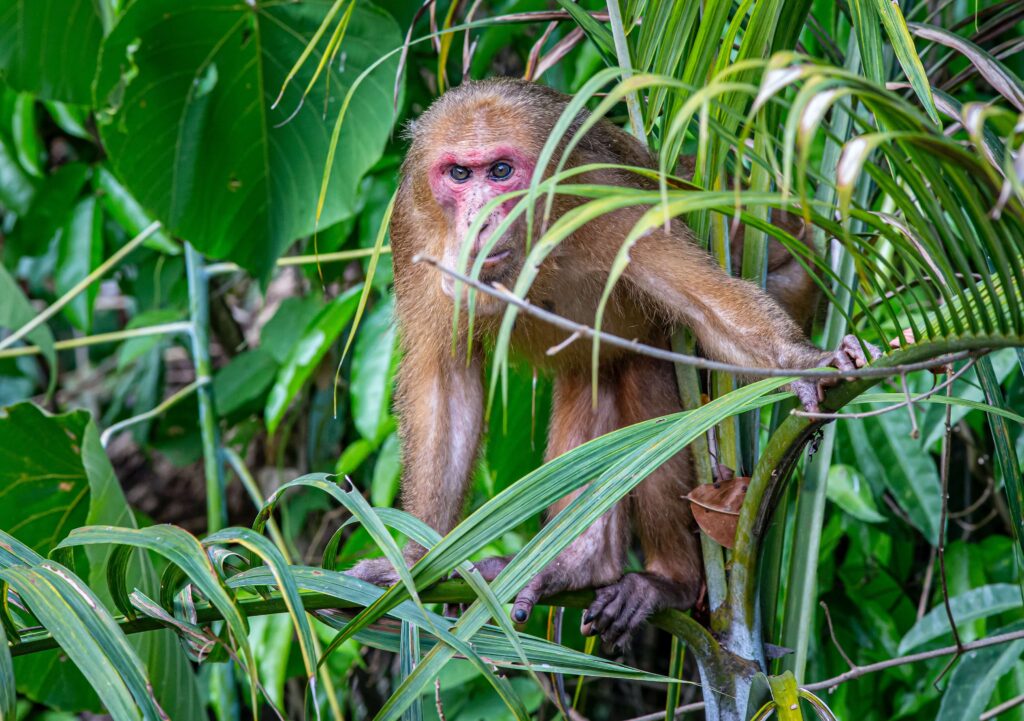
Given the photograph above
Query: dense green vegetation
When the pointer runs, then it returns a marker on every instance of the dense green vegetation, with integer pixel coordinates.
(197, 348)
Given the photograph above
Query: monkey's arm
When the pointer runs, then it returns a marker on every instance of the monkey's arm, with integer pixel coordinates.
(733, 319)
(439, 399)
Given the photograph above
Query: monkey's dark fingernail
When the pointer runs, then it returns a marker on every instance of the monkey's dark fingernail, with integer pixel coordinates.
(588, 617)
(519, 615)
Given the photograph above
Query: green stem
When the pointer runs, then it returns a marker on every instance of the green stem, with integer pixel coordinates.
(448, 592)
(778, 458)
(84, 341)
(78, 287)
(199, 315)
(167, 403)
(289, 260)
(636, 120)
(689, 393)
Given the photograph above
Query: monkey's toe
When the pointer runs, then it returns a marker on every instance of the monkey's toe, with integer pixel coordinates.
(377, 571)
(619, 610)
(545, 583)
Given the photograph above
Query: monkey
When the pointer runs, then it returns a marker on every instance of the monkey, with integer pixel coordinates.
(482, 139)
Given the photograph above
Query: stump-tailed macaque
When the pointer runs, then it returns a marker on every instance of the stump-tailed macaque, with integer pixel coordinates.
(480, 140)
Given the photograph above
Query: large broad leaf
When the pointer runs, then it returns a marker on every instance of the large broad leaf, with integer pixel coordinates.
(16, 311)
(972, 683)
(49, 47)
(185, 90)
(54, 476)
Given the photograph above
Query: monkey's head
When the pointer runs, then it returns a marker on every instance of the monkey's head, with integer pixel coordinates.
(476, 142)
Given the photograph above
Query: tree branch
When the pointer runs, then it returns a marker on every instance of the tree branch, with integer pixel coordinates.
(586, 331)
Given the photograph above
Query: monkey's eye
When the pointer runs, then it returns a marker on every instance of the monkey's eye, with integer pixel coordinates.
(500, 171)
(459, 173)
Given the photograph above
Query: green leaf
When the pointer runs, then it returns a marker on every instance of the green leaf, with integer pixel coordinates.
(848, 490)
(974, 680)
(489, 640)
(54, 477)
(44, 488)
(373, 363)
(51, 209)
(16, 186)
(8, 694)
(244, 380)
(49, 47)
(903, 44)
(307, 354)
(881, 448)
(386, 473)
(279, 336)
(968, 606)
(353, 456)
(189, 562)
(88, 635)
(598, 33)
(125, 209)
(15, 312)
(279, 568)
(237, 178)
(79, 252)
(26, 137)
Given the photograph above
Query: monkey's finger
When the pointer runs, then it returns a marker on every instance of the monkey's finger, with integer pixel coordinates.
(527, 599)
(606, 617)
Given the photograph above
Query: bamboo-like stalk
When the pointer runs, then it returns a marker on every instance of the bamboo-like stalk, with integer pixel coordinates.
(199, 316)
(798, 620)
(636, 119)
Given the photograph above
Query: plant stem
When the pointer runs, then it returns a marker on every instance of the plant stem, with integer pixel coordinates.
(78, 287)
(167, 403)
(85, 341)
(199, 315)
(636, 120)
(289, 260)
(449, 592)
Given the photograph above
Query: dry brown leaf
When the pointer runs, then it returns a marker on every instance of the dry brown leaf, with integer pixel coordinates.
(716, 508)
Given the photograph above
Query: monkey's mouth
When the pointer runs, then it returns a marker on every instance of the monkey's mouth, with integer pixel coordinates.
(496, 258)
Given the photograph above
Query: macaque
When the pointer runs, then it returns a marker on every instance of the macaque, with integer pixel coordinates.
(480, 140)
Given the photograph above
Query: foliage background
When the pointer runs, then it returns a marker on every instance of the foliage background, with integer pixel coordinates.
(114, 114)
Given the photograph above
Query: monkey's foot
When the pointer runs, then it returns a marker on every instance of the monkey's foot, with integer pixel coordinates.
(848, 356)
(620, 609)
(377, 571)
(489, 568)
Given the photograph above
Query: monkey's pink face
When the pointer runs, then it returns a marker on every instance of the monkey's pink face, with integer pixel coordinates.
(463, 182)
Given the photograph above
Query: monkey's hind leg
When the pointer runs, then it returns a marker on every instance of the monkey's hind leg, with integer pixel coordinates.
(673, 573)
(596, 557)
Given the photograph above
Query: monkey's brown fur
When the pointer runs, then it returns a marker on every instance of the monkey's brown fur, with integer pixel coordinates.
(669, 281)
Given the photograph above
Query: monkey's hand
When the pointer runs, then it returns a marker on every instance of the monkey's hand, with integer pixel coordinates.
(847, 357)
(619, 610)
